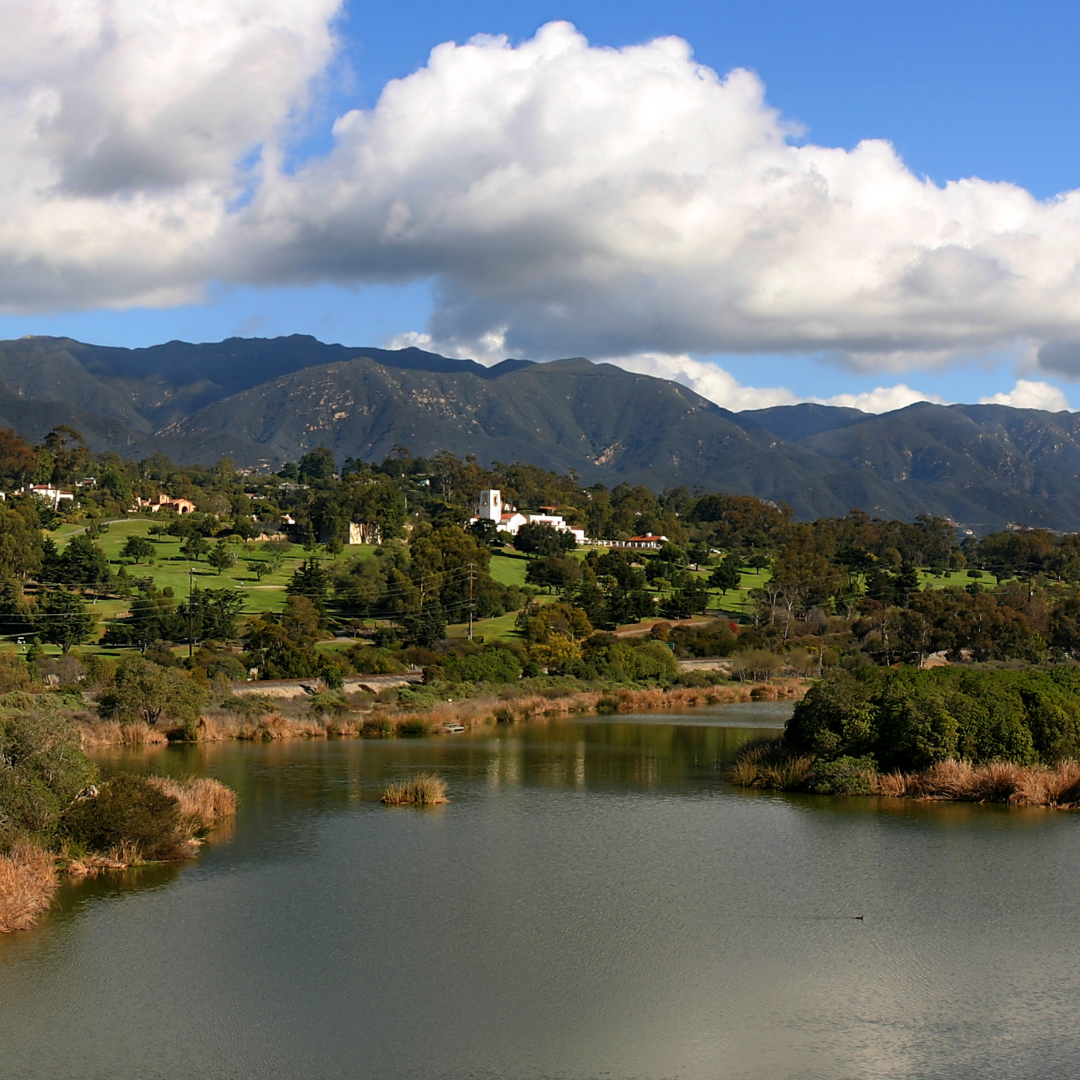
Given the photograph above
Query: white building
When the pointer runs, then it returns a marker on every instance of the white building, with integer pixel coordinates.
(507, 519)
(53, 495)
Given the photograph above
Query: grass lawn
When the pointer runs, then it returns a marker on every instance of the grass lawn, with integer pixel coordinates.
(508, 568)
(955, 578)
(489, 629)
(169, 568)
(737, 601)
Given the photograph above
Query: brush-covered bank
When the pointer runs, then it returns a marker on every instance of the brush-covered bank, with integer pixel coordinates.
(1008, 736)
(59, 815)
(422, 711)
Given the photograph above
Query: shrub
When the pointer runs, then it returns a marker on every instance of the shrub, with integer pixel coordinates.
(127, 811)
(836, 718)
(43, 770)
(377, 729)
(490, 664)
(250, 706)
(330, 703)
(413, 727)
(369, 660)
(15, 675)
(845, 776)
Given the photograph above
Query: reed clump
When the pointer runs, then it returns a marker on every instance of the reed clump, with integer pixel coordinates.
(203, 800)
(995, 782)
(27, 884)
(423, 789)
(770, 764)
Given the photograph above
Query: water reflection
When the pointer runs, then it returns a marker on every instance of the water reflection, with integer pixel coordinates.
(593, 902)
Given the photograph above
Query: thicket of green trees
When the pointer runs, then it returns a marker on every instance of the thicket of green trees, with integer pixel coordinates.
(830, 595)
(908, 719)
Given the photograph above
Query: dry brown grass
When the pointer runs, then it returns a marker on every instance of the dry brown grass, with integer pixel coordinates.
(770, 765)
(27, 884)
(203, 799)
(424, 789)
(110, 733)
(90, 864)
(219, 725)
(997, 782)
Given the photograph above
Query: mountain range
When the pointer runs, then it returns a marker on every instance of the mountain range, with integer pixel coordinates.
(263, 402)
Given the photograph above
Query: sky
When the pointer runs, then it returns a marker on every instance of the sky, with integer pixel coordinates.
(861, 203)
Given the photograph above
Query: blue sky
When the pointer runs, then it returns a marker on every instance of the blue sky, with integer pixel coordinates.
(987, 90)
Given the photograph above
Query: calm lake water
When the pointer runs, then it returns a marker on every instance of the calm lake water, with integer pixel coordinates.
(594, 903)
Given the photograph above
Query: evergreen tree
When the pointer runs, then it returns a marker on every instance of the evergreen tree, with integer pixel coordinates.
(62, 619)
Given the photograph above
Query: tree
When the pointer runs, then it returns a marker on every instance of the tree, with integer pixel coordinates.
(543, 540)
(137, 548)
(68, 452)
(62, 619)
(220, 557)
(82, 562)
(210, 614)
(486, 532)
(20, 538)
(194, 546)
(281, 646)
(554, 571)
(17, 460)
(276, 550)
(429, 627)
(726, 575)
(312, 580)
(145, 691)
(317, 464)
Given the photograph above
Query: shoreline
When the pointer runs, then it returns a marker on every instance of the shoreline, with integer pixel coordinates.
(770, 767)
(30, 875)
(221, 725)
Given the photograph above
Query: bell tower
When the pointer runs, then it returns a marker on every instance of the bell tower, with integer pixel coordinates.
(491, 505)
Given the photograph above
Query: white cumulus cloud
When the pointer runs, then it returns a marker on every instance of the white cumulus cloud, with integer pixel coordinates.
(129, 129)
(1028, 394)
(713, 382)
(565, 199)
(583, 200)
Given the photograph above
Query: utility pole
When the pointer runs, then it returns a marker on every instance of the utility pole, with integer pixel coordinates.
(471, 565)
(190, 613)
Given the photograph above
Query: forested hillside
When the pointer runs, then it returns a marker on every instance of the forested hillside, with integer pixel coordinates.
(265, 402)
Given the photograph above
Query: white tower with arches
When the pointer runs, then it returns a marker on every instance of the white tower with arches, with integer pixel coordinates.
(491, 505)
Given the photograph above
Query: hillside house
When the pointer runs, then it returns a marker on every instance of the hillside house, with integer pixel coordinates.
(508, 519)
(360, 532)
(648, 542)
(52, 495)
(165, 502)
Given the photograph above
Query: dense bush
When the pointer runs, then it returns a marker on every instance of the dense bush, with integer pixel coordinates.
(42, 770)
(489, 664)
(127, 810)
(373, 660)
(909, 719)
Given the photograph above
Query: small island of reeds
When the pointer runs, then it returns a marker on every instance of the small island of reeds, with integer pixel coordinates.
(977, 735)
(423, 789)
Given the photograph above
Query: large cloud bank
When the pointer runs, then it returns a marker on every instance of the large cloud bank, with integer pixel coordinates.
(565, 199)
(129, 129)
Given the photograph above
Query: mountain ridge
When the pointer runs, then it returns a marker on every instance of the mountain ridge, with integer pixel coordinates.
(264, 401)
